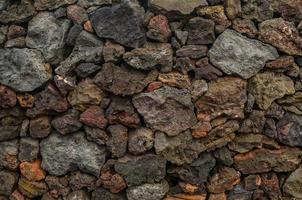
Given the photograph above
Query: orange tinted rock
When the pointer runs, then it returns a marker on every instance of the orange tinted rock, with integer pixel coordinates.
(88, 26)
(26, 100)
(186, 197)
(201, 129)
(32, 170)
(153, 86)
(220, 196)
(175, 79)
(189, 188)
(113, 181)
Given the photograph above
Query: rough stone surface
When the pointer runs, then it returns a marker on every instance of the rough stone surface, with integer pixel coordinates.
(67, 123)
(8, 181)
(51, 4)
(238, 55)
(9, 154)
(118, 139)
(94, 117)
(159, 29)
(40, 127)
(293, 183)
(140, 140)
(61, 154)
(23, 70)
(172, 109)
(28, 149)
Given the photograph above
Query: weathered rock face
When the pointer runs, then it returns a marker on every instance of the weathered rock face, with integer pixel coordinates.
(123, 80)
(8, 181)
(238, 55)
(257, 10)
(9, 154)
(140, 140)
(126, 17)
(225, 96)
(292, 185)
(48, 34)
(51, 4)
(267, 87)
(23, 70)
(281, 34)
(61, 154)
(172, 109)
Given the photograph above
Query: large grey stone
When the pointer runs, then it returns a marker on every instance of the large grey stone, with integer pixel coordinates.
(122, 23)
(167, 109)
(238, 55)
(61, 154)
(48, 34)
(23, 70)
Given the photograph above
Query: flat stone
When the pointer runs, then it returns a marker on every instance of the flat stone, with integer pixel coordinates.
(126, 17)
(148, 191)
(205, 70)
(122, 80)
(192, 51)
(140, 140)
(290, 103)
(68, 122)
(148, 168)
(172, 109)
(281, 34)
(23, 70)
(267, 87)
(292, 185)
(150, 56)
(9, 154)
(61, 154)
(51, 4)
(238, 55)
(176, 6)
(265, 160)
(48, 34)
(118, 140)
(225, 96)
(8, 181)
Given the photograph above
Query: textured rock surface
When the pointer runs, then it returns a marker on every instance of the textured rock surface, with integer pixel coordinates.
(23, 70)
(172, 110)
(292, 184)
(235, 54)
(61, 154)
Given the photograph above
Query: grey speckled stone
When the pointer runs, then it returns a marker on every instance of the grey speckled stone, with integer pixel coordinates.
(236, 54)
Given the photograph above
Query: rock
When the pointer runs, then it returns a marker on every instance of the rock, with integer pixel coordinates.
(254, 123)
(172, 109)
(148, 191)
(240, 193)
(257, 10)
(121, 111)
(84, 70)
(265, 160)
(238, 55)
(79, 180)
(284, 64)
(87, 48)
(50, 39)
(18, 13)
(85, 94)
(113, 181)
(3, 32)
(101, 193)
(232, 8)
(96, 135)
(224, 156)
(51, 4)
(154, 86)
(73, 33)
(8, 182)
(148, 168)
(175, 79)
(245, 27)
(74, 152)
(65, 84)
(8, 97)
(275, 111)
(28, 149)
(78, 194)
(32, 189)
(200, 31)
(252, 182)
(192, 51)
(281, 34)
(267, 87)
(26, 100)
(158, 29)
(270, 185)
(290, 103)
(123, 80)
(48, 100)
(219, 196)
(10, 123)
(57, 183)
(88, 3)
(67, 123)
(113, 52)
(225, 96)
(18, 42)
(181, 36)
(184, 196)
(292, 185)
(199, 87)
(3, 4)
(290, 10)
(224, 179)
(140, 140)
(118, 140)
(126, 17)
(40, 127)
(150, 56)
(9, 154)
(176, 6)
(32, 171)
(204, 70)
(77, 14)
(94, 117)
(23, 70)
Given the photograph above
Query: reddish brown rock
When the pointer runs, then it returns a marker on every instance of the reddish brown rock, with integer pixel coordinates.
(223, 180)
(40, 127)
(225, 96)
(264, 160)
(118, 140)
(159, 29)
(79, 180)
(88, 26)
(94, 117)
(201, 129)
(26, 100)
(290, 10)
(154, 86)
(220, 196)
(175, 79)
(113, 181)
(183, 196)
(7, 97)
(204, 70)
(32, 171)
(270, 185)
(284, 64)
(245, 26)
(65, 84)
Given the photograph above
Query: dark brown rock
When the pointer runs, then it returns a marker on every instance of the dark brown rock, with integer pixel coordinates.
(94, 117)
(284, 64)
(65, 84)
(77, 14)
(245, 26)
(192, 51)
(257, 10)
(40, 127)
(96, 135)
(8, 97)
(254, 123)
(252, 182)
(118, 140)
(175, 79)
(79, 180)
(67, 123)
(204, 70)
(113, 52)
(140, 140)
(113, 181)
